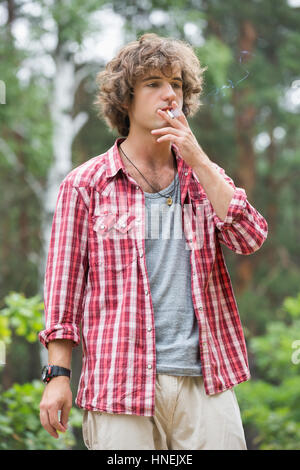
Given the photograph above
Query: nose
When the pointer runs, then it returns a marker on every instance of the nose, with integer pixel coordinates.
(168, 93)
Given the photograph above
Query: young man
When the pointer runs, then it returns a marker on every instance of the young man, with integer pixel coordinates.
(162, 340)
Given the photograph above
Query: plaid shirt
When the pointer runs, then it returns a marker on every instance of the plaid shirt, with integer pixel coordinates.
(96, 280)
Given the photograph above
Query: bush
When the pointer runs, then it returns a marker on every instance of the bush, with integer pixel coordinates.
(269, 404)
(20, 426)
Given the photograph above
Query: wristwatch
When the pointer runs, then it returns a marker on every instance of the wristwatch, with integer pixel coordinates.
(50, 371)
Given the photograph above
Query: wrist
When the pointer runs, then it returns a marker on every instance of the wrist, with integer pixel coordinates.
(52, 371)
(60, 379)
(203, 168)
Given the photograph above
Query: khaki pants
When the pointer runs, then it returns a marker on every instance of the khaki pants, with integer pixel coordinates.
(185, 418)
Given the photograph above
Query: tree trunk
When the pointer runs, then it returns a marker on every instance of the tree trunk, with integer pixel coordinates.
(244, 121)
(65, 129)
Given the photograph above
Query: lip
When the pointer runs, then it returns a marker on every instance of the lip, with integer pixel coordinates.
(165, 108)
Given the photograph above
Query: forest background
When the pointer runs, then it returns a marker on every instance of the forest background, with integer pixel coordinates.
(50, 53)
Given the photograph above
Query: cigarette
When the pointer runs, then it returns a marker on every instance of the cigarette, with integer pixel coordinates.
(173, 113)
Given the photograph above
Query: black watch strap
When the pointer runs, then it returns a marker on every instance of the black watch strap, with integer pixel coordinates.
(51, 371)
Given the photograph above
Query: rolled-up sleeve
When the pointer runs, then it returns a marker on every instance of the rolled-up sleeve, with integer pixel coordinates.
(244, 229)
(66, 268)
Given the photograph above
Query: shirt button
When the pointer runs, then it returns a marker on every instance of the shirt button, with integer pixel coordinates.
(141, 255)
(137, 187)
(200, 308)
(186, 173)
(149, 366)
(123, 225)
(102, 227)
(149, 328)
(146, 292)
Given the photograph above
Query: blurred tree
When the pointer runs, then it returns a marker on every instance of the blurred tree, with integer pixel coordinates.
(249, 125)
(24, 147)
(251, 81)
(68, 23)
(39, 124)
(24, 161)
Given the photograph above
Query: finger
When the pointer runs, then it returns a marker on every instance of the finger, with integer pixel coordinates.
(171, 137)
(65, 415)
(44, 418)
(174, 122)
(166, 129)
(176, 111)
(176, 107)
(181, 117)
(53, 418)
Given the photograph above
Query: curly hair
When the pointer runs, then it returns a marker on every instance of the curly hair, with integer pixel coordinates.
(151, 52)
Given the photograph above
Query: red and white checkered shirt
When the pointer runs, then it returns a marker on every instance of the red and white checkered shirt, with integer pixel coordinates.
(96, 281)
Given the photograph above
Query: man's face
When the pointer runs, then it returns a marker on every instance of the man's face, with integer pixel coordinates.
(152, 92)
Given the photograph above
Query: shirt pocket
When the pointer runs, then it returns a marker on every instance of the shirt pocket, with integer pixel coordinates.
(195, 221)
(113, 246)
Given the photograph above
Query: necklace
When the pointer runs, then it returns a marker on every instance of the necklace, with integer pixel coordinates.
(169, 196)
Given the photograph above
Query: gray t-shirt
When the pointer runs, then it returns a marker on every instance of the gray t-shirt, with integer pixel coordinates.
(169, 269)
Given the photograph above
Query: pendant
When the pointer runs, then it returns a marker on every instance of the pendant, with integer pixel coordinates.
(169, 201)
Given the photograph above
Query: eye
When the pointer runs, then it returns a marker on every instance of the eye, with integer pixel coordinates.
(175, 85)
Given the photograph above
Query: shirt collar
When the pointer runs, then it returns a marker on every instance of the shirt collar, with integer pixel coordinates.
(114, 162)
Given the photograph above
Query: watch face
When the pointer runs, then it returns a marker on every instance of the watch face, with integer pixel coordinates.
(44, 373)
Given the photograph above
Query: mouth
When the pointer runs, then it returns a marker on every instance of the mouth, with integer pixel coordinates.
(167, 108)
(173, 113)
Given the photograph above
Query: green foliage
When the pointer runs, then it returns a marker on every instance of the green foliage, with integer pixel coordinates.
(218, 58)
(273, 351)
(20, 426)
(292, 305)
(269, 405)
(23, 315)
(271, 413)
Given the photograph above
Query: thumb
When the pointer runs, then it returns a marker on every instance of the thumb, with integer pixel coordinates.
(178, 113)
